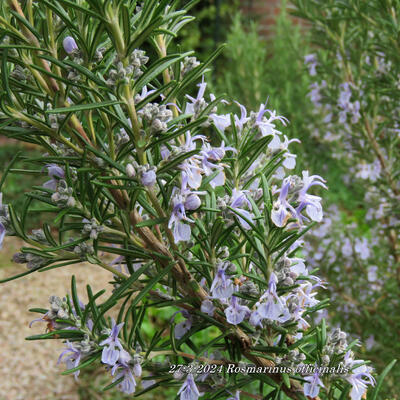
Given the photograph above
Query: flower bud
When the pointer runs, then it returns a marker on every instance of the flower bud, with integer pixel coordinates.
(130, 171)
(192, 202)
(19, 258)
(69, 44)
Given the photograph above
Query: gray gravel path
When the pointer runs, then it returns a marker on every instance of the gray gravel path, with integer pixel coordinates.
(28, 369)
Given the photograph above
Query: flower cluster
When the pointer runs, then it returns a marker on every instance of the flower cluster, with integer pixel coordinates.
(188, 200)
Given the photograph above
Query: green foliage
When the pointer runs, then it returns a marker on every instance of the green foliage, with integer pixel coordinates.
(184, 197)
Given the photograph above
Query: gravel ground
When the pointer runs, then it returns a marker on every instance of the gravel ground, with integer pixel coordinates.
(28, 369)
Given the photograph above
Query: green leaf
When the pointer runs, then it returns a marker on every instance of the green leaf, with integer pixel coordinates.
(4, 76)
(381, 379)
(126, 285)
(15, 222)
(286, 380)
(74, 5)
(75, 298)
(11, 278)
(194, 75)
(82, 107)
(151, 222)
(255, 150)
(84, 364)
(176, 161)
(8, 169)
(157, 68)
(152, 283)
(58, 334)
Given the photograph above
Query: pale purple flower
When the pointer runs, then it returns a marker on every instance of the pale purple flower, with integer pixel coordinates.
(214, 154)
(310, 60)
(298, 267)
(140, 97)
(346, 106)
(361, 247)
(311, 388)
(196, 105)
(236, 397)
(369, 171)
(191, 168)
(221, 122)
(306, 295)
(207, 307)
(271, 306)
(311, 203)
(315, 94)
(122, 365)
(148, 178)
(146, 383)
(111, 351)
(181, 230)
(360, 377)
(370, 342)
(184, 326)
(344, 96)
(282, 211)
(238, 200)
(255, 319)
(372, 273)
(267, 127)
(189, 390)
(347, 248)
(69, 44)
(192, 202)
(289, 161)
(55, 172)
(222, 286)
(137, 369)
(71, 356)
(240, 122)
(128, 383)
(236, 313)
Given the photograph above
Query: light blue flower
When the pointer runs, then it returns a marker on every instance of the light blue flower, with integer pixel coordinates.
(359, 378)
(311, 388)
(238, 201)
(184, 326)
(282, 211)
(55, 173)
(128, 383)
(148, 178)
(222, 286)
(181, 231)
(310, 60)
(71, 356)
(207, 307)
(189, 390)
(236, 397)
(111, 351)
(271, 306)
(311, 203)
(236, 313)
(69, 44)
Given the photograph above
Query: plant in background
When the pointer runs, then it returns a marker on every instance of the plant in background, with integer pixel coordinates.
(355, 91)
(189, 209)
(257, 69)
